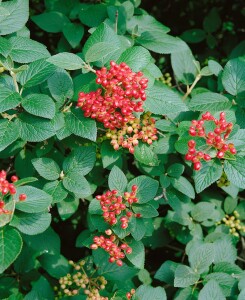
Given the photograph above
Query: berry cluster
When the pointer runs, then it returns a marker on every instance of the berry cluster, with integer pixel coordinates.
(113, 206)
(122, 93)
(234, 223)
(130, 294)
(214, 139)
(137, 129)
(72, 283)
(113, 246)
(6, 188)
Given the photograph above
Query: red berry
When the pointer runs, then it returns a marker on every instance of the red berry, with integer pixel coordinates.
(192, 144)
(22, 197)
(232, 150)
(207, 157)
(197, 166)
(188, 156)
(14, 178)
(119, 263)
(220, 154)
(2, 204)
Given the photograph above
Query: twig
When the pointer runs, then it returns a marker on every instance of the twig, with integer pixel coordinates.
(189, 89)
(116, 21)
(13, 75)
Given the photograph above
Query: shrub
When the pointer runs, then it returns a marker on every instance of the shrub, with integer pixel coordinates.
(117, 181)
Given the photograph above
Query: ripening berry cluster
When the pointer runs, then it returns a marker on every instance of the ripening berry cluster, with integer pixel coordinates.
(234, 223)
(137, 129)
(113, 246)
(6, 188)
(113, 206)
(130, 294)
(122, 93)
(214, 139)
(72, 283)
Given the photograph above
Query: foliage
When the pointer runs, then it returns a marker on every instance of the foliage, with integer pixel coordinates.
(103, 144)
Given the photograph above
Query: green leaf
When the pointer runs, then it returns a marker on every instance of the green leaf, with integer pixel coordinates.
(161, 43)
(211, 290)
(56, 190)
(137, 58)
(68, 61)
(238, 139)
(100, 51)
(117, 180)
(185, 276)
(230, 204)
(9, 132)
(109, 155)
(209, 173)
(81, 126)
(56, 265)
(235, 171)
(106, 34)
(175, 170)
(146, 23)
(203, 211)
(18, 14)
(8, 99)
(61, 86)
(138, 231)
(201, 258)
(183, 64)
(6, 218)
(51, 21)
(37, 72)
(10, 247)
(41, 289)
(81, 159)
(87, 15)
(137, 257)
(34, 129)
(212, 21)
(67, 207)
(36, 201)
(146, 210)
(31, 224)
(47, 168)
(225, 281)
(193, 36)
(209, 102)
(182, 185)
(39, 105)
(161, 100)
(144, 154)
(76, 183)
(147, 188)
(166, 272)
(214, 67)
(233, 77)
(146, 292)
(225, 251)
(5, 46)
(25, 50)
(73, 33)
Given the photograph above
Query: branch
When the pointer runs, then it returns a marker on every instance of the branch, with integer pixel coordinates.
(189, 89)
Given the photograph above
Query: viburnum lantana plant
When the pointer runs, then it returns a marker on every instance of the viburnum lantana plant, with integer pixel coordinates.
(128, 150)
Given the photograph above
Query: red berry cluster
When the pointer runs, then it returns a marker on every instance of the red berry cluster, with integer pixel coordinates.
(113, 206)
(129, 135)
(113, 246)
(122, 93)
(6, 188)
(214, 139)
(130, 294)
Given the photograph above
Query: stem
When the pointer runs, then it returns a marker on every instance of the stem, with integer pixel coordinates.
(116, 21)
(189, 89)
(89, 68)
(15, 81)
